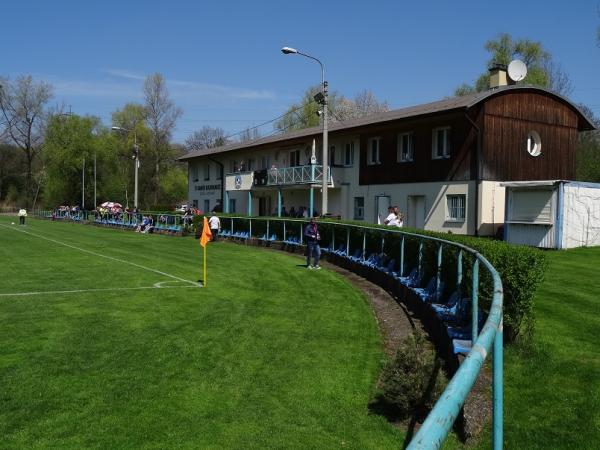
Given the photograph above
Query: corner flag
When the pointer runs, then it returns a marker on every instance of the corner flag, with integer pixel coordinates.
(206, 234)
(204, 239)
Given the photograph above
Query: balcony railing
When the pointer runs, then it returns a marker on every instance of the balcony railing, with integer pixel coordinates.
(311, 174)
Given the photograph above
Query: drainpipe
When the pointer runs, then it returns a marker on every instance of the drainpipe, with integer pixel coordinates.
(222, 181)
(477, 172)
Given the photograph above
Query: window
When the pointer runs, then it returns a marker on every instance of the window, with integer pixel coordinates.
(264, 163)
(294, 158)
(250, 167)
(206, 206)
(455, 208)
(373, 149)
(207, 171)
(440, 143)
(349, 154)
(232, 205)
(534, 143)
(233, 166)
(405, 147)
(220, 172)
(332, 155)
(359, 208)
(195, 203)
(195, 175)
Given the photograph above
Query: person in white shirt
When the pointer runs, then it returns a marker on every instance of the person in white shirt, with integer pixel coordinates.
(392, 219)
(215, 226)
(22, 215)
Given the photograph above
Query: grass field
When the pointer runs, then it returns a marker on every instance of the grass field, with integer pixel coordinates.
(94, 355)
(552, 390)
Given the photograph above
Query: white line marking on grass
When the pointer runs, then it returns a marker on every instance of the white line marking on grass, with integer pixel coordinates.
(77, 291)
(139, 266)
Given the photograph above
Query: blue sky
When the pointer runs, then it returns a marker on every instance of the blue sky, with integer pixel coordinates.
(223, 64)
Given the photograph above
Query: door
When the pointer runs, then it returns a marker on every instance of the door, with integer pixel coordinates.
(416, 211)
(382, 205)
(264, 206)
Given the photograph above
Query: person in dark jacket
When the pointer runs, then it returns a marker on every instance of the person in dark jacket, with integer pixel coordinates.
(312, 236)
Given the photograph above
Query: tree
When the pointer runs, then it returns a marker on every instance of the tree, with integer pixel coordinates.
(23, 106)
(70, 140)
(161, 116)
(541, 69)
(249, 134)
(588, 150)
(305, 114)
(11, 180)
(206, 137)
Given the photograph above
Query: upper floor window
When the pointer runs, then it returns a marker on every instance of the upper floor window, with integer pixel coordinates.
(195, 175)
(207, 171)
(374, 151)
(349, 153)
(233, 166)
(440, 143)
(405, 147)
(264, 162)
(332, 155)
(294, 158)
(250, 165)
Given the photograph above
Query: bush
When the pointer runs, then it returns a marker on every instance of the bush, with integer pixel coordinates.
(413, 381)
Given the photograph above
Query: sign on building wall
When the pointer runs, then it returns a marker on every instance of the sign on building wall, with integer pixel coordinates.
(206, 189)
(239, 181)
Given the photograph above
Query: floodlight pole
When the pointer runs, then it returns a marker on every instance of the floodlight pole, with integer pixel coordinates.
(325, 177)
(136, 157)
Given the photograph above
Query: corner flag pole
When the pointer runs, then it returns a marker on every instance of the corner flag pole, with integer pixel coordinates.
(204, 240)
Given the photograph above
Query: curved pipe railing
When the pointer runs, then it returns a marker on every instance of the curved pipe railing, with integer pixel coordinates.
(438, 423)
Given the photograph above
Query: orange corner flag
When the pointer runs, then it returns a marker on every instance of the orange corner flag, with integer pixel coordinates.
(206, 234)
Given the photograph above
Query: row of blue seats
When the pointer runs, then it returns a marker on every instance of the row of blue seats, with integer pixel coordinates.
(235, 235)
(454, 313)
(266, 238)
(293, 240)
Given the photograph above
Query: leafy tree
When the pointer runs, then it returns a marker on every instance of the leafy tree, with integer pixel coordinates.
(69, 141)
(588, 151)
(24, 108)
(206, 137)
(174, 185)
(541, 69)
(305, 113)
(11, 164)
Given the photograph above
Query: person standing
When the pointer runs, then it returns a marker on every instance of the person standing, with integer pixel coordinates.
(399, 217)
(392, 217)
(313, 250)
(215, 226)
(22, 215)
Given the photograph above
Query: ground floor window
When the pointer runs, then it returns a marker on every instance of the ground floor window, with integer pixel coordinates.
(206, 205)
(232, 205)
(455, 207)
(195, 203)
(359, 208)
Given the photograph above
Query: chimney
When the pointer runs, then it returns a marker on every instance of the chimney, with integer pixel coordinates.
(498, 75)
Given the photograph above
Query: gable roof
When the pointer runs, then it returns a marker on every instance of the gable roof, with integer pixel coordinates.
(451, 104)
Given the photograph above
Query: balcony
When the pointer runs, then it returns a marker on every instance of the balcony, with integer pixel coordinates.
(289, 176)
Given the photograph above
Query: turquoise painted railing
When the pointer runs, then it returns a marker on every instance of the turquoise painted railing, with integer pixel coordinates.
(438, 423)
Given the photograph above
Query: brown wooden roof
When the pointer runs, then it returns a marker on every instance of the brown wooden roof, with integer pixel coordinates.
(455, 103)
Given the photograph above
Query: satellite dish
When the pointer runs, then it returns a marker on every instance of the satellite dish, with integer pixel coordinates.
(517, 70)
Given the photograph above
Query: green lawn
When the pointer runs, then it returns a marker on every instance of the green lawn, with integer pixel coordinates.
(269, 355)
(552, 391)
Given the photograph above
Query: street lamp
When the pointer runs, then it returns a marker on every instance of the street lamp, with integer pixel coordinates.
(322, 99)
(136, 157)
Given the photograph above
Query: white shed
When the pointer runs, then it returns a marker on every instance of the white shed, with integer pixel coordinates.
(552, 214)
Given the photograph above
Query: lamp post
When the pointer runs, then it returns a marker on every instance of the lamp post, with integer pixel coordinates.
(136, 157)
(322, 99)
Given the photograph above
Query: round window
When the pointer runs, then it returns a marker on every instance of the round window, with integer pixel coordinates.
(534, 143)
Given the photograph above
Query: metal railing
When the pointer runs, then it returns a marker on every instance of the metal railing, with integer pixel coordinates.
(311, 174)
(438, 423)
